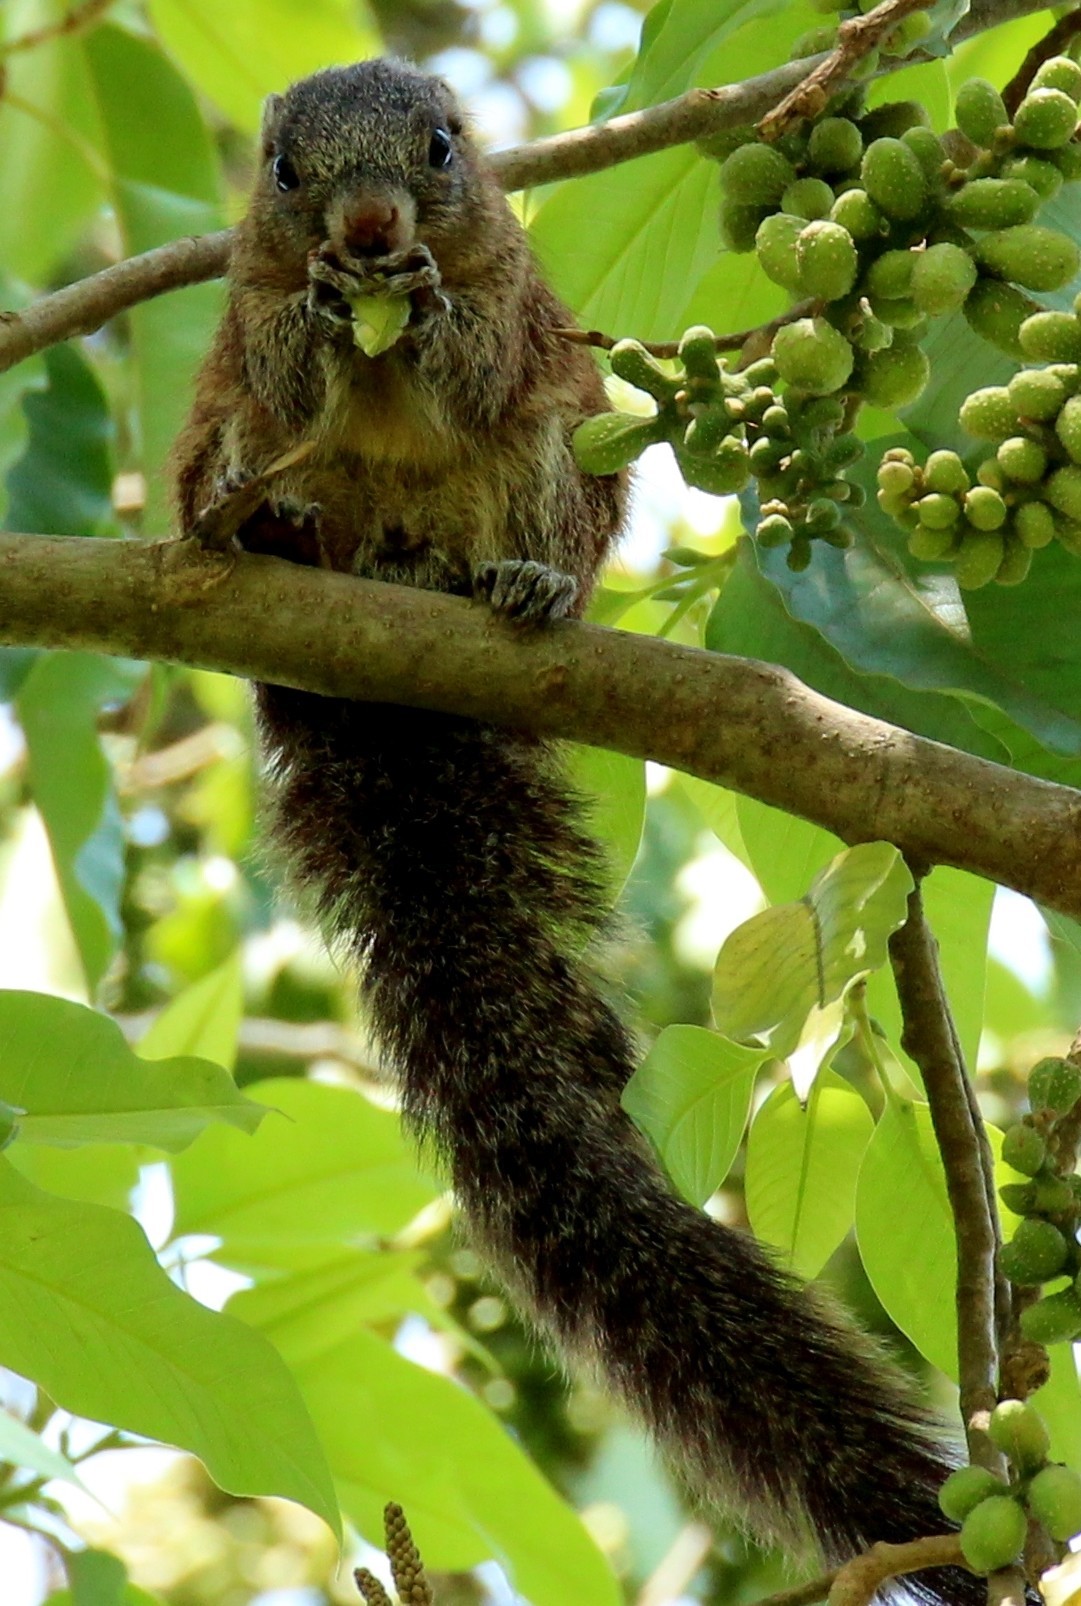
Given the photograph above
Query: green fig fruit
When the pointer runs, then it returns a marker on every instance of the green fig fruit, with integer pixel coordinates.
(826, 260)
(813, 356)
(836, 145)
(893, 178)
(1016, 562)
(1029, 255)
(1019, 1431)
(775, 243)
(938, 511)
(1054, 1498)
(979, 558)
(1034, 524)
(1045, 119)
(1055, 1084)
(1037, 393)
(993, 1534)
(1023, 461)
(1051, 337)
(1023, 1149)
(1037, 172)
(756, 175)
(945, 472)
(980, 111)
(808, 198)
(996, 312)
(739, 225)
(1059, 72)
(1036, 1253)
(631, 362)
(965, 1489)
(609, 441)
(989, 414)
(1063, 490)
(993, 203)
(1055, 1319)
(942, 277)
(856, 212)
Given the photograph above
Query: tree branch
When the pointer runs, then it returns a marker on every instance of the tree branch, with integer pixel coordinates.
(83, 307)
(931, 1040)
(739, 723)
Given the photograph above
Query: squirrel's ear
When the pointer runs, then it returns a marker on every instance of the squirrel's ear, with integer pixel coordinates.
(272, 114)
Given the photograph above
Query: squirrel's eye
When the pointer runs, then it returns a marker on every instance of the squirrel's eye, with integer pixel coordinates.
(440, 151)
(286, 176)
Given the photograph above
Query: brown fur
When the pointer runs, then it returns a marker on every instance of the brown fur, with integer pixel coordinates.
(448, 856)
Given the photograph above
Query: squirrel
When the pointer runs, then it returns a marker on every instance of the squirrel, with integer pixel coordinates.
(449, 857)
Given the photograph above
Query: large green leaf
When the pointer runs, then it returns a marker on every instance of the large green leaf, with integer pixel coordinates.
(905, 1231)
(308, 1311)
(89, 1315)
(782, 975)
(395, 1432)
(691, 1095)
(784, 851)
(802, 1165)
(625, 248)
(73, 1074)
(162, 187)
(203, 1019)
(680, 36)
(62, 483)
(330, 1169)
(751, 620)
(50, 181)
(238, 53)
(614, 788)
(887, 614)
(71, 783)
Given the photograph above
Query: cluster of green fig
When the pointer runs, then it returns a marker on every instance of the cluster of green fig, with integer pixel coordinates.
(882, 224)
(994, 1514)
(728, 427)
(1044, 1248)
(1028, 493)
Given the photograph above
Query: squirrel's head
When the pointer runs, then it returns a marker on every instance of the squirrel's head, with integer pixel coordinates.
(372, 158)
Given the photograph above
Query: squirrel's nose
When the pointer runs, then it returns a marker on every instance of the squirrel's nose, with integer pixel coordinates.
(373, 228)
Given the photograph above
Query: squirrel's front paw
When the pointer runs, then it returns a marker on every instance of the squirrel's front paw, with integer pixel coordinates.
(527, 592)
(335, 281)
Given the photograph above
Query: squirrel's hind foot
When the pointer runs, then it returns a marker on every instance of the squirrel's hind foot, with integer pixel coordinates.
(527, 592)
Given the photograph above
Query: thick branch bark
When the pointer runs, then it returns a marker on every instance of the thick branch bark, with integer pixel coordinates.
(930, 1037)
(80, 308)
(742, 724)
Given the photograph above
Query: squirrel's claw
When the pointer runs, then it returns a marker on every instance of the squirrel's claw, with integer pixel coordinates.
(527, 592)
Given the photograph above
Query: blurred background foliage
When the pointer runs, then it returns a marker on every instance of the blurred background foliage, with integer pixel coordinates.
(131, 871)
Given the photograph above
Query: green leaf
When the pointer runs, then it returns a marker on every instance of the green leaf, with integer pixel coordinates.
(625, 248)
(71, 783)
(203, 1019)
(784, 851)
(72, 1072)
(784, 973)
(62, 483)
(239, 53)
(334, 1170)
(51, 182)
(677, 39)
(96, 1578)
(751, 620)
(905, 1231)
(89, 1315)
(888, 614)
(691, 1096)
(1059, 1403)
(101, 1173)
(15, 384)
(21, 1447)
(162, 188)
(469, 1490)
(802, 1164)
(614, 787)
(310, 1311)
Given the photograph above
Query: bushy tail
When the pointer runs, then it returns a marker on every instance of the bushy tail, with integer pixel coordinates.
(448, 856)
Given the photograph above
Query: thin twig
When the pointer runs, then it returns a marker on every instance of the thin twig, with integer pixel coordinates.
(670, 348)
(856, 38)
(930, 1039)
(858, 1580)
(74, 21)
(1055, 42)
